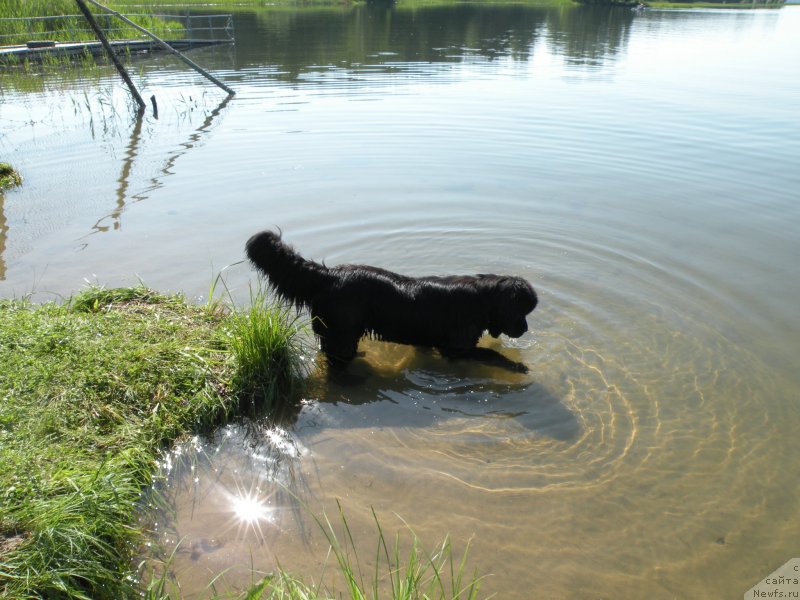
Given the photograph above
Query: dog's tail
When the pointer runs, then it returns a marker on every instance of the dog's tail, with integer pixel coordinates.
(294, 278)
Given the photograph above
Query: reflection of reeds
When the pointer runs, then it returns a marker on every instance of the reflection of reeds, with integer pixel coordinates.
(185, 107)
(35, 75)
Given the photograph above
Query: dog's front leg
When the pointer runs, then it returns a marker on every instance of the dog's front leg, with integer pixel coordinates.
(339, 348)
(338, 331)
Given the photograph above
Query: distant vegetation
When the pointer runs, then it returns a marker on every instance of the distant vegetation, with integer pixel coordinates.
(67, 25)
(688, 3)
(717, 4)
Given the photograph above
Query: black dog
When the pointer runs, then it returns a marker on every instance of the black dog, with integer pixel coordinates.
(348, 302)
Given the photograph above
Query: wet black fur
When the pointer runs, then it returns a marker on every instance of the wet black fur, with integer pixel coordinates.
(348, 302)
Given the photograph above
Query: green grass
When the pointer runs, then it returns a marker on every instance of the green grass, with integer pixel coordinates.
(268, 352)
(400, 575)
(9, 177)
(69, 25)
(94, 388)
(90, 392)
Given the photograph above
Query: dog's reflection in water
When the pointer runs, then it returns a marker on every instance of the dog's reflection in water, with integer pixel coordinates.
(395, 385)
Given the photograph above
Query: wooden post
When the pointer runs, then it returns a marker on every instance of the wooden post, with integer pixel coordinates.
(165, 45)
(110, 51)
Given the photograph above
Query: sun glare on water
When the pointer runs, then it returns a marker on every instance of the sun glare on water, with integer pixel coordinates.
(249, 509)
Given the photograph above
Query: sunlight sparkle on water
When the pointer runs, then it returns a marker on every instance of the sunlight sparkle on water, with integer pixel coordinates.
(250, 509)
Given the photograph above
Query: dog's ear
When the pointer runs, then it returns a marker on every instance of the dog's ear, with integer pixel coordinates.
(514, 294)
(513, 299)
(521, 294)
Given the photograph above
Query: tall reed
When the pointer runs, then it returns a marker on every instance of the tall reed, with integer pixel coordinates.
(266, 340)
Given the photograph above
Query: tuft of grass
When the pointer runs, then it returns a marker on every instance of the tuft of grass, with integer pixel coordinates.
(414, 575)
(91, 391)
(266, 343)
(9, 177)
(97, 298)
(266, 340)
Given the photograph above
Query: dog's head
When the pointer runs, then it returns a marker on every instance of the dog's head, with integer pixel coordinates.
(512, 299)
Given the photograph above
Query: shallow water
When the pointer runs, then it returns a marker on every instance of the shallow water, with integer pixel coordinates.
(639, 169)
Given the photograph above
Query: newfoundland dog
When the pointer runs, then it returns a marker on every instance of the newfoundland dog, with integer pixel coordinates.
(348, 302)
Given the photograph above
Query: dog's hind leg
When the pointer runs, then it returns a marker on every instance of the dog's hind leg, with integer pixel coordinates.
(339, 346)
(338, 333)
(338, 351)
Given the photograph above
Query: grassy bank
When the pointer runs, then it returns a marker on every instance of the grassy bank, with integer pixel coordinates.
(93, 389)
(69, 27)
(90, 392)
(50, 8)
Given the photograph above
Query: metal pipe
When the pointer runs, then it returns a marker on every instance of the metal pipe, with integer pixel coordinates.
(110, 51)
(164, 45)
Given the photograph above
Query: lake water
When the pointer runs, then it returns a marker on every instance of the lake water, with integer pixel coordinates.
(641, 169)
